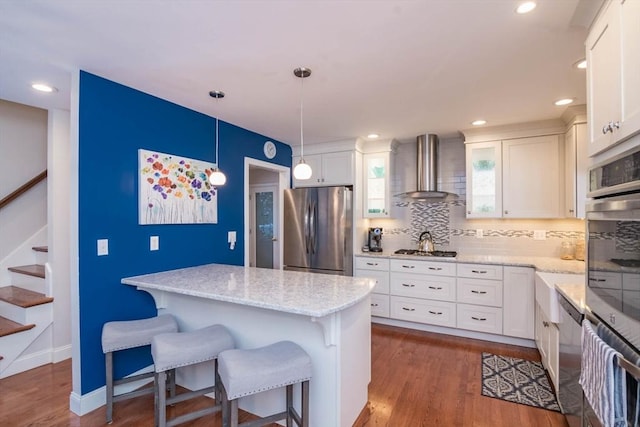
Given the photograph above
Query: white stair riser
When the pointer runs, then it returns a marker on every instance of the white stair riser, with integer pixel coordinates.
(41, 257)
(27, 316)
(32, 283)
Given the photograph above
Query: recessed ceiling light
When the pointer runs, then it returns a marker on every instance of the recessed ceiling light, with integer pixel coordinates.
(373, 136)
(526, 7)
(479, 122)
(565, 101)
(44, 87)
(582, 64)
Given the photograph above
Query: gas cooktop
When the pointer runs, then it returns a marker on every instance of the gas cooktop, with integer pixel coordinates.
(447, 254)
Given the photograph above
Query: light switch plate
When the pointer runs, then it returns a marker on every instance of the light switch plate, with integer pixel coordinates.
(103, 247)
(479, 233)
(154, 243)
(539, 235)
(231, 237)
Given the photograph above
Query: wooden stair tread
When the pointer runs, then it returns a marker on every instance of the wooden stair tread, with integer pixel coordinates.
(8, 327)
(36, 270)
(41, 248)
(23, 297)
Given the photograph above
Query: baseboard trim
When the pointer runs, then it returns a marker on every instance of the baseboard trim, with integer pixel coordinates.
(85, 403)
(25, 363)
(61, 353)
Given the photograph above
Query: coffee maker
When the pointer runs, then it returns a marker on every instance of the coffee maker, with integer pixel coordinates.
(374, 240)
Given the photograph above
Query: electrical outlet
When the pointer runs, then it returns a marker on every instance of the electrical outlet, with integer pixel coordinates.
(539, 235)
(479, 233)
(103, 247)
(154, 243)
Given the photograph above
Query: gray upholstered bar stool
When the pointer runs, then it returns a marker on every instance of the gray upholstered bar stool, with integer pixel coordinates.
(247, 372)
(175, 350)
(122, 335)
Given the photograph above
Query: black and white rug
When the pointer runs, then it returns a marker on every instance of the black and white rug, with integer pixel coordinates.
(517, 380)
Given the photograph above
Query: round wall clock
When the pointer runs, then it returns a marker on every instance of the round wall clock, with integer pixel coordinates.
(269, 149)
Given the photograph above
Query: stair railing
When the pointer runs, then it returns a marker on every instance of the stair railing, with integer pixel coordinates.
(23, 189)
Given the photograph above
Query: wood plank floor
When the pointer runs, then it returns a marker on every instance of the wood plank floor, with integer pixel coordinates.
(418, 379)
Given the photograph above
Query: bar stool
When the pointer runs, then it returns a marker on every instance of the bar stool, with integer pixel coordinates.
(175, 350)
(121, 335)
(247, 372)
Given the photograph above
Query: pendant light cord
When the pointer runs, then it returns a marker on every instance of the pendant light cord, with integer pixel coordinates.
(301, 118)
(217, 156)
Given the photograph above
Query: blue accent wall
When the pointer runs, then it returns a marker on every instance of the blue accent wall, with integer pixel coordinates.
(114, 122)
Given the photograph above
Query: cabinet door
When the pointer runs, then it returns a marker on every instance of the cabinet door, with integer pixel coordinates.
(376, 185)
(315, 161)
(337, 168)
(519, 302)
(603, 77)
(532, 185)
(630, 86)
(554, 353)
(381, 278)
(484, 179)
(576, 171)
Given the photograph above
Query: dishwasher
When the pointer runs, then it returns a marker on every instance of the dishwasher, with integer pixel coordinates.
(570, 394)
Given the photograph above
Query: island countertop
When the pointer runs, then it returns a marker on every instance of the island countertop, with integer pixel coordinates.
(309, 294)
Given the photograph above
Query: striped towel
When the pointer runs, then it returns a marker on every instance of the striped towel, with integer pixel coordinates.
(602, 380)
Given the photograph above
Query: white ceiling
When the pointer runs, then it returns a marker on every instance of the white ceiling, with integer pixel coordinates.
(398, 68)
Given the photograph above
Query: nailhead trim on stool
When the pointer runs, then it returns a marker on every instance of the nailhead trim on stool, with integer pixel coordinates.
(175, 350)
(248, 372)
(121, 335)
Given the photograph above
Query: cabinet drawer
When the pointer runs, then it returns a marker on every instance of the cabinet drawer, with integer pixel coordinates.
(480, 318)
(425, 267)
(382, 279)
(482, 292)
(424, 311)
(372, 263)
(631, 282)
(480, 271)
(380, 305)
(604, 279)
(442, 288)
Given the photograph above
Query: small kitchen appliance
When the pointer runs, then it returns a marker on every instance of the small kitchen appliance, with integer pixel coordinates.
(374, 240)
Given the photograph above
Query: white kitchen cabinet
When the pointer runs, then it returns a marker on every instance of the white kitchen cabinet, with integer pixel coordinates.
(440, 313)
(441, 288)
(327, 169)
(479, 297)
(547, 341)
(377, 192)
(518, 307)
(479, 318)
(576, 170)
(376, 268)
(613, 75)
(531, 177)
(515, 178)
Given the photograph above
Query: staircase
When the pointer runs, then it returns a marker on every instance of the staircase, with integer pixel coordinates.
(26, 314)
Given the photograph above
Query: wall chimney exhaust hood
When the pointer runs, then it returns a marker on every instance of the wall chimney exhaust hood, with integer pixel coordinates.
(427, 158)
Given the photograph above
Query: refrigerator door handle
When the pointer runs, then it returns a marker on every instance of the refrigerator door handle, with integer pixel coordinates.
(306, 227)
(313, 226)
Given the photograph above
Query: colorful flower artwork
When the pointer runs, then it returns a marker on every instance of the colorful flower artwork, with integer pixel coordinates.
(175, 190)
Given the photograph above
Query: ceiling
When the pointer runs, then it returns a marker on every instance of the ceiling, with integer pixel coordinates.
(397, 68)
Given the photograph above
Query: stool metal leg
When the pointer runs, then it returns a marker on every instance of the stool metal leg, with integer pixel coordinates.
(109, 377)
(305, 404)
(233, 416)
(289, 393)
(161, 393)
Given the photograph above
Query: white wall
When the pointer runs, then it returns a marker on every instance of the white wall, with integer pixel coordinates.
(23, 148)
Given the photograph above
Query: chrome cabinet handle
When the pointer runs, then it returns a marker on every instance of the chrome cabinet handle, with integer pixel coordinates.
(374, 304)
(408, 285)
(545, 324)
(437, 313)
(506, 212)
(468, 212)
(408, 309)
(372, 263)
(437, 288)
(408, 266)
(591, 279)
(479, 271)
(478, 292)
(435, 268)
(481, 319)
(606, 128)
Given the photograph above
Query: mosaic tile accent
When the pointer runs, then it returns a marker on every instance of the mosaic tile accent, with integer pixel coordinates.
(563, 235)
(628, 236)
(432, 217)
(397, 231)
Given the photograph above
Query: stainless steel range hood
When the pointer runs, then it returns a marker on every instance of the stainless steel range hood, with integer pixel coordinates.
(427, 158)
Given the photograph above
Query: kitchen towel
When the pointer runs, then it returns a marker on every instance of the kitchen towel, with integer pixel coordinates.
(633, 386)
(602, 380)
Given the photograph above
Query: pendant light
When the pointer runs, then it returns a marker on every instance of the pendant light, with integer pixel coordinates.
(302, 170)
(217, 177)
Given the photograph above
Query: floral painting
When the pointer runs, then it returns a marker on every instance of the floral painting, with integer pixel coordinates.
(175, 190)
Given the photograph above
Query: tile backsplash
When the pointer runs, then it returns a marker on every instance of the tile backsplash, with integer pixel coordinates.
(447, 222)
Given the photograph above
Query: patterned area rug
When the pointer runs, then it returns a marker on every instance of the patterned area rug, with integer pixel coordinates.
(518, 381)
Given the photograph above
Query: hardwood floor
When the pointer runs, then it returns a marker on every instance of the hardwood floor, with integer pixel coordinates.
(418, 379)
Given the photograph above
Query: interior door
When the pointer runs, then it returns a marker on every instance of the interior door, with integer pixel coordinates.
(264, 215)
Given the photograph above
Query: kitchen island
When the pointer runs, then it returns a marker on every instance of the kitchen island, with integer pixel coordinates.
(328, 315)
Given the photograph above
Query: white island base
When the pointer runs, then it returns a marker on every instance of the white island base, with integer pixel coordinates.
(339, 344)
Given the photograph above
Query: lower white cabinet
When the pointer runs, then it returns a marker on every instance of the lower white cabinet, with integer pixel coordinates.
(376, 268)
(519, 302)
(380, 305)
(547, 338)
(439, 313)
(480, 318)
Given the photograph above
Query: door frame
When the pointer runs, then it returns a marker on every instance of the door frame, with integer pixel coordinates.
(284, 180)
(263, 188)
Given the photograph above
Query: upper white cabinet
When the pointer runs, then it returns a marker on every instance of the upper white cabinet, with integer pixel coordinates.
(516, 178)
(377, 166)
(336, 168)
(613, 75)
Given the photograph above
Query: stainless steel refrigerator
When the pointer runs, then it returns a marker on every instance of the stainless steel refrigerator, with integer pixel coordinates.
(318, 230)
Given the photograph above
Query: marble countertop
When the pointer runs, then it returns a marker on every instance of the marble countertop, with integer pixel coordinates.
(574, 292)
(546, 264)
(309, 294)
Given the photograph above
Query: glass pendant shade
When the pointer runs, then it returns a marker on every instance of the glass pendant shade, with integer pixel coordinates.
(217, 177)
(302, 170)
